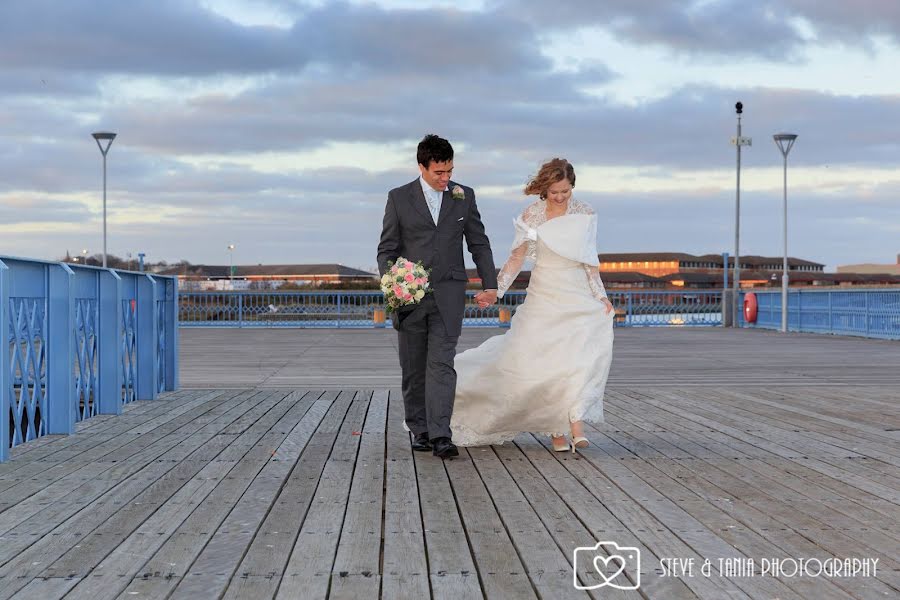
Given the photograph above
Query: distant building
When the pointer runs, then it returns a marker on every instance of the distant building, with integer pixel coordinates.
(677, 270)
(871, 268)
(658, 264)
(215, 277)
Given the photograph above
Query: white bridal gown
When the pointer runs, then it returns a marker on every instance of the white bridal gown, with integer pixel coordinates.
(551, 367)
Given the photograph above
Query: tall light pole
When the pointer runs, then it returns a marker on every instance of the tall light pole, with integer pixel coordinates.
(784, 141)
(738, 141)
(231, 265)
(108, 137)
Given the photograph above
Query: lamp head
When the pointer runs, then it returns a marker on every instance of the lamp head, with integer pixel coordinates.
(739, 107)
(784, 141)
(104, 136)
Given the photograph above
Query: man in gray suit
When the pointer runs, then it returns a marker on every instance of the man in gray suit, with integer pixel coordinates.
(426, 220)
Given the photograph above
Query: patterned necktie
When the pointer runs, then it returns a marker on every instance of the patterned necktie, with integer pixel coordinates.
(432, 205)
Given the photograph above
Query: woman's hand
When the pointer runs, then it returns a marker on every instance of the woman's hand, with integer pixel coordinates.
(608, 304)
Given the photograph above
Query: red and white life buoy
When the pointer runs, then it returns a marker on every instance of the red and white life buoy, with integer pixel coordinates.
(750, 307)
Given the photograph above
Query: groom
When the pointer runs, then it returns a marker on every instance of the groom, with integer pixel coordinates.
(426, 220)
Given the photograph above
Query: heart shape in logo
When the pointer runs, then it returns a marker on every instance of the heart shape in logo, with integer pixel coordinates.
(606, 560)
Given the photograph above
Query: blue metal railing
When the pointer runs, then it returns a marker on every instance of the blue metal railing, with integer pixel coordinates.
(873, 313)
(79, 341)
(358, 309)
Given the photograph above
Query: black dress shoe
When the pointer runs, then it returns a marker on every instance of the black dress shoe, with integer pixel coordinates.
(443, 447)
(420, 442)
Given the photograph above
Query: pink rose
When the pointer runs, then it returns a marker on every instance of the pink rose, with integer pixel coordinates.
(410, 278)
(407, 297)
(398, 291)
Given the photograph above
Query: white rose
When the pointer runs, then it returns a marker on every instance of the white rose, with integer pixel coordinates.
(420, 294)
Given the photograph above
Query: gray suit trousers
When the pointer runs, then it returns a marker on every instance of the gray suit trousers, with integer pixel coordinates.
(429, 380)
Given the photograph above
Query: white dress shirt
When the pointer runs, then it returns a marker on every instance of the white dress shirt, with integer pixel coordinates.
(433, 199)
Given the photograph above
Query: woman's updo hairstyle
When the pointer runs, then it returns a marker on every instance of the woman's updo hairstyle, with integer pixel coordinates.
(551, 172)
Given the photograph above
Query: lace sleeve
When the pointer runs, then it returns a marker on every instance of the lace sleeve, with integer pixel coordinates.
(593, 274)
(523, 247)
(511, 269)
(594, 281)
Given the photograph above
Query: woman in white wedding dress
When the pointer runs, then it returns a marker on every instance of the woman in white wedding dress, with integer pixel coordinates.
(547, 374)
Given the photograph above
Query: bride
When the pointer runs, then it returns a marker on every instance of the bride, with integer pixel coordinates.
(548, 372)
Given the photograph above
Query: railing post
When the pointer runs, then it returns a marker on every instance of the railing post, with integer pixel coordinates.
(110, 344)
(830, 316)
(147, 369)
(171, 383)
(339, 310)
(240, 309)
(628, 308)
(60, 339)
(5, 383)
(866, 315)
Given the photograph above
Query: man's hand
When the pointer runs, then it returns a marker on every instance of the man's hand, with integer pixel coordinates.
(486, 298)
(608, 304)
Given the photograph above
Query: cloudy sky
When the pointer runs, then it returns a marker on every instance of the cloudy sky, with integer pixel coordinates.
(280, 125)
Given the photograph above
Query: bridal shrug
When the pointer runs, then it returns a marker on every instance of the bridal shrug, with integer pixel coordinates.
(551, 367)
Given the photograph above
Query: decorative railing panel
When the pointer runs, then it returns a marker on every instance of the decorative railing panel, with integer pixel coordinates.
(27, 368)
(871, 313)
(87, 317)
(77, 342)
(366, 309)
(129, 351)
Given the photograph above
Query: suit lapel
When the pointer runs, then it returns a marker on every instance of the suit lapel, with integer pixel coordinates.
(417, 199)
(446, 203)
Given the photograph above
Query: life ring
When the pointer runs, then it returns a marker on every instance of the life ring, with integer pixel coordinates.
(750, 307)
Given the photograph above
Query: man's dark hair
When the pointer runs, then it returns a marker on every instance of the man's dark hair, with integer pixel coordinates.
(433, 148)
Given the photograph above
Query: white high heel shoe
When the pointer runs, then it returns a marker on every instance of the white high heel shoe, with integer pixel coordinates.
(580, 442)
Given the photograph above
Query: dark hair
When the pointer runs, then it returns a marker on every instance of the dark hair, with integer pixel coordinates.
(551, 172)
(433, 148)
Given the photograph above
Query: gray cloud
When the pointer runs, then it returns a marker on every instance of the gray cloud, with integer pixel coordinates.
(138, 37)
(726, 27)
(365, 74)
(18, 210)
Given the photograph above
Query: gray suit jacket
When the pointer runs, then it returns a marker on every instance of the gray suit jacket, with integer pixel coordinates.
(410, 232)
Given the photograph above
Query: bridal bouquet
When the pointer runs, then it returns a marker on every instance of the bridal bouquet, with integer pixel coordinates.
(405, 284)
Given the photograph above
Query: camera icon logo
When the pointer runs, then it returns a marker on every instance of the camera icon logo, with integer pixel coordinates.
(608, 569)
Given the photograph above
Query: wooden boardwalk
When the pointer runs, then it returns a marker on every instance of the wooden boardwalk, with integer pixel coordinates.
(254, 482)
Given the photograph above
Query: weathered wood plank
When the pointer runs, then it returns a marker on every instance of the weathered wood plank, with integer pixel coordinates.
(165, 569)
(44, 550)
(214, 566)
(404, 567)
(357, 566)
(128, 558)
(500, 569)
(548, 567)
(308, 570)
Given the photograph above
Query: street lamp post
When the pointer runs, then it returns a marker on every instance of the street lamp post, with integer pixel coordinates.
(784, 141)
(108, 137)
(738, 141)
(231, 265)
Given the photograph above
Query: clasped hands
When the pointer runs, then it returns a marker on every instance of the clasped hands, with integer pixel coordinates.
(486, 298)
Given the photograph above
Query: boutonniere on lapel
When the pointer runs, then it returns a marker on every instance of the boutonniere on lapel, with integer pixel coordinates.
(458, 193)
